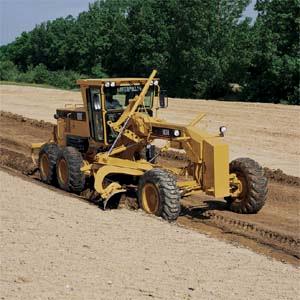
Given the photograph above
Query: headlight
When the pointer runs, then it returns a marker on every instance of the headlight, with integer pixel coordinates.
(176, 132)
(155, 82)
(108, 84)
(223, 129)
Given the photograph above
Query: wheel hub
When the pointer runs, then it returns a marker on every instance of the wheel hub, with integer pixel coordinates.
(239, 186)
(63, 171)
(150, 198)
(45, 165)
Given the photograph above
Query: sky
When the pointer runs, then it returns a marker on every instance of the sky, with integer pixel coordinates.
(17, 16)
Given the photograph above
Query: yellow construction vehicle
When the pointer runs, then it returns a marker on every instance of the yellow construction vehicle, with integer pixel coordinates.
(100, 146)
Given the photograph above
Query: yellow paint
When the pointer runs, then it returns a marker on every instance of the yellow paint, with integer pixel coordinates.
(113, 187)
(208, 155)
(216, 168)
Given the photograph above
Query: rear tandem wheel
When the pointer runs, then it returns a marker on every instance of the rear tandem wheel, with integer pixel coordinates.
(69, 176)
(47, 162)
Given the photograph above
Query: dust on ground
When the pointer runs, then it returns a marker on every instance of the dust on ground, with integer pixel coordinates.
(55, 247)
(267, 133)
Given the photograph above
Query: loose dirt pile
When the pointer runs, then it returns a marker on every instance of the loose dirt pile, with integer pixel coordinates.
(54, 247)
(10, 120)
(26, 121)
(276, 225)
(15, 160)
(279, 176)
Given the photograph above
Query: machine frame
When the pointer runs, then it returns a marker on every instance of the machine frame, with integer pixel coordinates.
(135, 128)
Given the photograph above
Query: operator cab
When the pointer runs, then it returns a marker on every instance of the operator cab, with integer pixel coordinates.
(106, 99)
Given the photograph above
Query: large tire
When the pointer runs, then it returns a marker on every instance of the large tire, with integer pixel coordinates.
(158, 194)
(69, 176)
(254, 186)
(47, 162)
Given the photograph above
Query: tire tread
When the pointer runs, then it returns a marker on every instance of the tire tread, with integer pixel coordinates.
(257, 186)
(169, 208)
(76, 180)
(52, 151)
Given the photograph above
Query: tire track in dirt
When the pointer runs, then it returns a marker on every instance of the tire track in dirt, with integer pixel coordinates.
(287, 243)
(15, 155)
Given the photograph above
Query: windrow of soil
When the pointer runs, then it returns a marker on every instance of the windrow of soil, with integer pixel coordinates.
(21, 119)
(276, 175)
(276, 225)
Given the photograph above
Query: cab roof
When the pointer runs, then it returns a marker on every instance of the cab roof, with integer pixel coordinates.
(118, 81)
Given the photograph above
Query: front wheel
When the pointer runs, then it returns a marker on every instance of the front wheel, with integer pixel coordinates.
(158, 194)
(252, 187)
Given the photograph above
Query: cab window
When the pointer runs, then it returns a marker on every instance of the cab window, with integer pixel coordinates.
(117, 98)
(95, 113)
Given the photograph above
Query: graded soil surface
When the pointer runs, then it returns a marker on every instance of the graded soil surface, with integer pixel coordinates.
(268, 133)
(56, 247)
(276, 225)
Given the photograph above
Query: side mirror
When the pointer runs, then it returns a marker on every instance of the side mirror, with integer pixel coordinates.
(163, 99)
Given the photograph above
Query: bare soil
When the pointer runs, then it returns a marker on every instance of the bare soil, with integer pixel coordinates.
(55, 247)
(268, 133)
(276, 225)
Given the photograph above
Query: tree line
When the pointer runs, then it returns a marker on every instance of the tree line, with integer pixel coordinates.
(199, 47)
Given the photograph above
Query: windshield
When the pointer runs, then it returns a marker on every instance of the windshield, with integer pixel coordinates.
(118, 97)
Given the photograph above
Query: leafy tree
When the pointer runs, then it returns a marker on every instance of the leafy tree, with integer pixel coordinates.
(274, 70)
(191, 43)
(40, 74)
(199, 47)
(8, 71)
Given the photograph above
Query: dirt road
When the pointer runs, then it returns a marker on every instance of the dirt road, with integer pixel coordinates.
(276, 225)
(57, 247)
(268, 133)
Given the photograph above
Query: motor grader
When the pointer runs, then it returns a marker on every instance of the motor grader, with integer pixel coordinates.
(106, 146)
